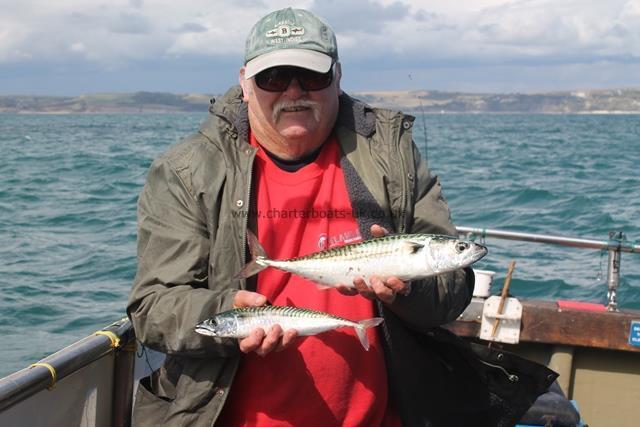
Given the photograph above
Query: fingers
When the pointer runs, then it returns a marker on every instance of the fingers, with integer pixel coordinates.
(252, 342)
(378, 231)
(271, 341)
(346, 290)
(287, 339)
(363, 289)
(398, 286)
(385, 291)
(264, 343)
(260, 341)
(248, 299)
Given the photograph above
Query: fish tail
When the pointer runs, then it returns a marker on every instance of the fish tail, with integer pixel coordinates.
(258, 256)
(361, 329)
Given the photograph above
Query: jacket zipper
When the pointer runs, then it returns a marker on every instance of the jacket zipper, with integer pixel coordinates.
(405, 195)
(247, 207)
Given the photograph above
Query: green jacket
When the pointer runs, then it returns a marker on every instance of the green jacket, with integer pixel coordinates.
(192, 223)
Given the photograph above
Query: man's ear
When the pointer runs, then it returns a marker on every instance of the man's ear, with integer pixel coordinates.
(337, 76)
(246, 86)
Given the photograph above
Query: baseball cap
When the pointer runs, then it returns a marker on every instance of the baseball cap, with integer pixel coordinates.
(294, 37)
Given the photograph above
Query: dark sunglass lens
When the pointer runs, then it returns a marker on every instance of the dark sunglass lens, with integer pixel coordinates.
(274, 79)
(277, 79)
(310, 80)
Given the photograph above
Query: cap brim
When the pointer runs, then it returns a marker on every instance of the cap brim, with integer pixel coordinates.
(303, 58)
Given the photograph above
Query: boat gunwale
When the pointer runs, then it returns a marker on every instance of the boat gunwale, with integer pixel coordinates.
(44, 374)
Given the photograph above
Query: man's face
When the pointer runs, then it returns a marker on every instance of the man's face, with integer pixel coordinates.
(295, 115)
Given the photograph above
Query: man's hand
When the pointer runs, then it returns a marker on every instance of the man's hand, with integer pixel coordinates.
(384, 291)
(263, 343)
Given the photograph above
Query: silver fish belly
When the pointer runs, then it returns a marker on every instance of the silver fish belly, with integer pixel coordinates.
(239, 322)
(405, 256)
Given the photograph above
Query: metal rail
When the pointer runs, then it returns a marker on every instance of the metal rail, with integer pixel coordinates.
(616, 244)
(24, 383)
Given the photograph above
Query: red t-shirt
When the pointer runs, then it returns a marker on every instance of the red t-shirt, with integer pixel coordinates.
(322, 380)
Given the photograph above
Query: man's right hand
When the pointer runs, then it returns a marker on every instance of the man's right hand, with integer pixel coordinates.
(263, 343)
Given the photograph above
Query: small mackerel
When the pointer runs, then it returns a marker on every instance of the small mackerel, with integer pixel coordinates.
(239, 322)
(405, 256)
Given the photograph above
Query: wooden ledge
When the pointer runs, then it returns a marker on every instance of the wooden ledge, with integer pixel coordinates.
(544, 322)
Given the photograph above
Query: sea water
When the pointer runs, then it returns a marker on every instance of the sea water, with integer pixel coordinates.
(69, 185)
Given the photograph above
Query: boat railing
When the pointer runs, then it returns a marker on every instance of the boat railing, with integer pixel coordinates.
(116, 340)
(615, 245)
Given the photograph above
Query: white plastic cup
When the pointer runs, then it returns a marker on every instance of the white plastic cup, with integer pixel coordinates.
(482, 288)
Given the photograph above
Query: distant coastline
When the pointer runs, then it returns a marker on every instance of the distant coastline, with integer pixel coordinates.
(603, 101)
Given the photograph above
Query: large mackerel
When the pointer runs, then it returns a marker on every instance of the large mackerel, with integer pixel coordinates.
(405, 256)
(239, 322)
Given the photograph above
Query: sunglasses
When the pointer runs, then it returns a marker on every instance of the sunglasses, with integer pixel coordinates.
(277, 79)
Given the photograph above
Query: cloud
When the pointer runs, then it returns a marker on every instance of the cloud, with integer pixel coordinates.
(527, 28)
(486, 30)
(129, 23)
(78, 47)
(368, 16)
(190, 27)
(504, 32)
(372, 34)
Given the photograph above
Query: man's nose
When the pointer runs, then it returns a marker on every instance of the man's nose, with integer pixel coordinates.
(294, 90)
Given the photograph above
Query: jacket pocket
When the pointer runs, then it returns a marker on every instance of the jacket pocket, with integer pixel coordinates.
(149, 408)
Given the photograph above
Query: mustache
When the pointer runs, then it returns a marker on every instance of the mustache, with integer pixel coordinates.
(279, 106)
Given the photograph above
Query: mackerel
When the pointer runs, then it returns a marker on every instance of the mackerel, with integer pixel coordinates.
(239, 322)
(405, 256)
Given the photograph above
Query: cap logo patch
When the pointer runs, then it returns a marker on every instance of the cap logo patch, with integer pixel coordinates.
(285, 31)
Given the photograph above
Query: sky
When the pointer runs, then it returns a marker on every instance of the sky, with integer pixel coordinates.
(73, 47)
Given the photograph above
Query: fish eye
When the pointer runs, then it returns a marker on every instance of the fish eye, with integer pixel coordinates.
(462, 246)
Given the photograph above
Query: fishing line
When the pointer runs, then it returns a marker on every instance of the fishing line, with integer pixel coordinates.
(599, 274)
(143, 352)
(424, 126)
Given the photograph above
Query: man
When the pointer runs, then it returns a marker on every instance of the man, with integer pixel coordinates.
(305, 167)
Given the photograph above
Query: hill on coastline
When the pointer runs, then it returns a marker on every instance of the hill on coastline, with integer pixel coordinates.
(593, 101)
(138, 102)
(623, 101)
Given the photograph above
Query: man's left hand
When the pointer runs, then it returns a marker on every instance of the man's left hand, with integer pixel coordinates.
(386, 290)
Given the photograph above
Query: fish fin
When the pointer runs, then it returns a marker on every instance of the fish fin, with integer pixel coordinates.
(251, 268)
(410, 247)
(361, 329)
(324, 287)
(256, 249)
(258, 254)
